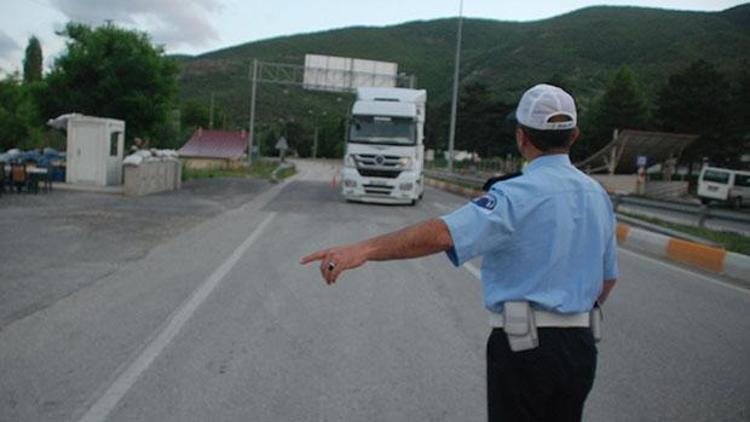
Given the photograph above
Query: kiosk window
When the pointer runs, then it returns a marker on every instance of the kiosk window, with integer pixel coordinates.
(114, 137)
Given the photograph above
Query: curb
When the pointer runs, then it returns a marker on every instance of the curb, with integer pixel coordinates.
(709, 258)
(281, 166)
(716, 260)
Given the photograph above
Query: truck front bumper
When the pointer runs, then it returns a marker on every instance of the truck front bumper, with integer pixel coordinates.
(404, 189)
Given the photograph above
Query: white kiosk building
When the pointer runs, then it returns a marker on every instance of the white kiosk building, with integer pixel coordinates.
(95, 149)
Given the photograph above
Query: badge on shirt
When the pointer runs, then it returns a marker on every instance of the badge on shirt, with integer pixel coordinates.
(487, 202)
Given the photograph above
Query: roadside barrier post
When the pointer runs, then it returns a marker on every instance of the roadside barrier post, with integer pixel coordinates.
(702, 216)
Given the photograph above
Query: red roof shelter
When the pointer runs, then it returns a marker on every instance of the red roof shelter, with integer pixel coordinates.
(223, 144)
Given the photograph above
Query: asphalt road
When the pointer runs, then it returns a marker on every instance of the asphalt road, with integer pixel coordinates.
(213, 319)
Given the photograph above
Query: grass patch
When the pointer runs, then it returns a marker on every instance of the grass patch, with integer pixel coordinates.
(286, 172)
(731, 241)
(258, 170)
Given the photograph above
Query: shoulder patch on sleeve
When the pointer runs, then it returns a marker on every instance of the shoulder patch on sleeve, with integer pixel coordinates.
(492, 180)
(487, 201)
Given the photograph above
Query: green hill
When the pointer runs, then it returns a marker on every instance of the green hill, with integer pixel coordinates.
(583, 48)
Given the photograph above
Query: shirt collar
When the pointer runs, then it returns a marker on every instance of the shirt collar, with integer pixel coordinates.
(552, 160)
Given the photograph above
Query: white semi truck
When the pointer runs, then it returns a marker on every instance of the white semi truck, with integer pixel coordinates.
(384, 158)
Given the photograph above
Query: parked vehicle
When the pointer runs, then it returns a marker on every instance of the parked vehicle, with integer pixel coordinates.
(726, 185)
(384, 158)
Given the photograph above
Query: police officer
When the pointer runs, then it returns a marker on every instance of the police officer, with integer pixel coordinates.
(547, 238)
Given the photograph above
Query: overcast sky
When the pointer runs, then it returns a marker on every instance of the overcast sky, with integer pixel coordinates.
(198, 26)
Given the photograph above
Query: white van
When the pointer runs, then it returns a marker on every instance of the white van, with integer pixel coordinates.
(726, 185)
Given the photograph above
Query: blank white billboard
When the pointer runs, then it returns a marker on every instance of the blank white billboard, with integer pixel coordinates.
(345, 74)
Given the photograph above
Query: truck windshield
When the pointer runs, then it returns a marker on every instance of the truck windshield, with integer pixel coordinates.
(382, 130)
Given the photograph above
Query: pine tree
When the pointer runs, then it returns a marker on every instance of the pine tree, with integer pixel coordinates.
(32, 62)
(698, 100)
(623, 105)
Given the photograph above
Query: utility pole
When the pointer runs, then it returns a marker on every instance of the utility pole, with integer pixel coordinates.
(251, 131)
(315, 143)
(452, 135)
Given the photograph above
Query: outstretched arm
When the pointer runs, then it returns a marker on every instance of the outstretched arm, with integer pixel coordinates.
(421, 239)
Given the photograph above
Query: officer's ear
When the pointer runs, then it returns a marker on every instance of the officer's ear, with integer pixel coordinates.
(574, 136)
(521, 138)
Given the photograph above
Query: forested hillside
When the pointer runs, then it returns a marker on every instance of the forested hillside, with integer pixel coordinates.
(581, 50)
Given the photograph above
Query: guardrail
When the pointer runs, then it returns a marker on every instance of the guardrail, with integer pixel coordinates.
(655, 228)
(702, 211)
(472, 181)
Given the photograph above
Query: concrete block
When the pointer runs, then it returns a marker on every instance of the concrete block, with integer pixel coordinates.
(737, 266)
(645, 241)
(151, 177)
(622, 233)
(706, 257)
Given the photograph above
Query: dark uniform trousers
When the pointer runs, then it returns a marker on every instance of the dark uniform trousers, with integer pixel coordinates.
(548, 383)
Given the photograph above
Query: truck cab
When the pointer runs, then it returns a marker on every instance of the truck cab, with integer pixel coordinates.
(384, 157)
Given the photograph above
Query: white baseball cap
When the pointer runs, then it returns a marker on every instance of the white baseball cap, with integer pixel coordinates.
(540, 103)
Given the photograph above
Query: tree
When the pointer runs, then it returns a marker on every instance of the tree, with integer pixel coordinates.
(740, 117)
(622, 106)
(331, 138)
(32, 62)
(481, 124)
(697, 100)
(195, 114)
(20, 125)
(112, 72)
(296, 138)
(561, 81)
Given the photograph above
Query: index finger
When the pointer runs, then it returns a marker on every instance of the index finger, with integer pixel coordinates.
(316, 256)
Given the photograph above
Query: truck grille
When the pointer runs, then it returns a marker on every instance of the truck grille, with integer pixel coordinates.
(376, 165)
(389, 174)
(377, 160)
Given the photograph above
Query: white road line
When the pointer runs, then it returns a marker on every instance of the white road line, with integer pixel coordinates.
(684, 271)
(109, 400)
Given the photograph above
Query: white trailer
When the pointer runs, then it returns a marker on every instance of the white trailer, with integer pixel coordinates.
(384, 158)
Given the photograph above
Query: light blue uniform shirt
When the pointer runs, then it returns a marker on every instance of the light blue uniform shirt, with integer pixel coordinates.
(547, 236)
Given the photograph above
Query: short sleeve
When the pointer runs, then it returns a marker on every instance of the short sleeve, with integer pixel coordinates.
(611, 268)
(481, 226)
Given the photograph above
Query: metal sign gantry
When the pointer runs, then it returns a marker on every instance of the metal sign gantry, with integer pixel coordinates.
(291, 74)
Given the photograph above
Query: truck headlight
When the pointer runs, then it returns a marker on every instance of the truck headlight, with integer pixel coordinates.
(349, 161)
(405, 163)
